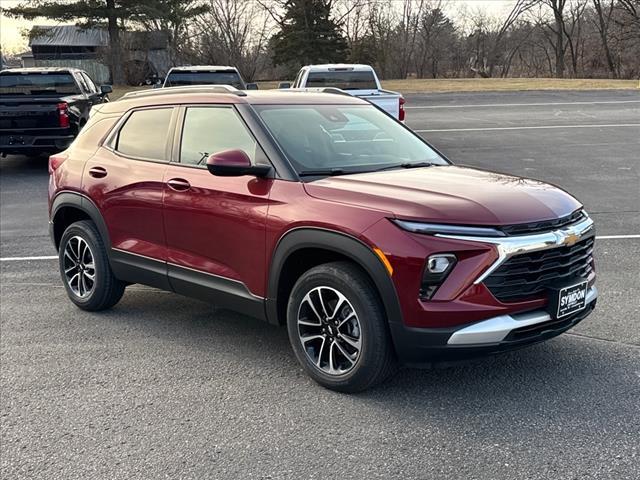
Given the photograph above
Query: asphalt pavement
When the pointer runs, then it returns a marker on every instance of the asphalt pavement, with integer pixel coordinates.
(163, 386)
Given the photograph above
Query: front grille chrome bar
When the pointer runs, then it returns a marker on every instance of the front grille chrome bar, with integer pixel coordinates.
(508, 247)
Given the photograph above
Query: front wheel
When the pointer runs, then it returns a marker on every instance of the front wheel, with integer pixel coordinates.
(85, 269)
(337, 328)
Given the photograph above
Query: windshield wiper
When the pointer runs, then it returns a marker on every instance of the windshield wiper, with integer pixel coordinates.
(405, 165)
(326, 171)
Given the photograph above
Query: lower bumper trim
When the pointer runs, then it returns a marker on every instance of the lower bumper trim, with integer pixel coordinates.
(496, 329)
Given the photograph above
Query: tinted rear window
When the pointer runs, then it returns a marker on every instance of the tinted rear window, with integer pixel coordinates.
(346, 80)
(177, 79)
(37, 84)
(145, 134)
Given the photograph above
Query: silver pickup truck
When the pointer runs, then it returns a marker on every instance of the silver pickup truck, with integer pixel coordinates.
(358, 80)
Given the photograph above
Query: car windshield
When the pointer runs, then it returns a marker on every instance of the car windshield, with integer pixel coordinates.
(339, 139)
(346, 80)
(176, 79)
(45, 83)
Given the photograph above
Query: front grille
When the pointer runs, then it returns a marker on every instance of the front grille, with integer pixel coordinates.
(545, 225)
(529, 275)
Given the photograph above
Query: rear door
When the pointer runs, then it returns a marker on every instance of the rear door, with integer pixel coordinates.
(215, 226)
(125, 180)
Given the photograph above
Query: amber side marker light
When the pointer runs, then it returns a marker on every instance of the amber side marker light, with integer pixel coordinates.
(384, 259)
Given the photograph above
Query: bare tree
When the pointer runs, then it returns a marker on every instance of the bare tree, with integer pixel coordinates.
(412, 12)
(604, 13)
(558, 30)
(572, 27)
(234, 32)
(493, 41)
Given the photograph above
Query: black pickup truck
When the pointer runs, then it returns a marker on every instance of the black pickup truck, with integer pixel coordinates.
(43, 109)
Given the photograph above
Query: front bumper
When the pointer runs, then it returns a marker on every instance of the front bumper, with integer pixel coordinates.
(429, 346)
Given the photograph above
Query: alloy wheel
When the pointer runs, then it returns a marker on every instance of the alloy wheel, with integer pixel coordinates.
(329, 330)
(79, 267)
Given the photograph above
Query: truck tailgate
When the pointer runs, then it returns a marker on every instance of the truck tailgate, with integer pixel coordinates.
(18, 114)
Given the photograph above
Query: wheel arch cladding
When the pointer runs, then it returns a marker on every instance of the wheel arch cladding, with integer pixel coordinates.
(325, 245)
(70, 207)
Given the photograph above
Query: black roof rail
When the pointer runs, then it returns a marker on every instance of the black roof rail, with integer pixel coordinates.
(333, 90)
(186, 89)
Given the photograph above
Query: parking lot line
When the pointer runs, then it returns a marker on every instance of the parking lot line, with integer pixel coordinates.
(55, 257)
(533, 127)
(615, 237)
(491, 105)
(22, 259)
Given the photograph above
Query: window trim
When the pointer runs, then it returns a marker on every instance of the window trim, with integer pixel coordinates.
(180, 123)
(112, 138)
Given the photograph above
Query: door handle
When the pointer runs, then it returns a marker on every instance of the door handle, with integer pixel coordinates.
(97, 172)
(179, 184)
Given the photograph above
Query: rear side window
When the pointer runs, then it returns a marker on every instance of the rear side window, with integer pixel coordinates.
(145, 134)
(209, 130)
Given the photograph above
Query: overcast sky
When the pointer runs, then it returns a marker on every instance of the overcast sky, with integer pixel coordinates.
(12, 40)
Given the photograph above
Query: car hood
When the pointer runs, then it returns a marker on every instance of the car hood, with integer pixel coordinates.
(449, 194)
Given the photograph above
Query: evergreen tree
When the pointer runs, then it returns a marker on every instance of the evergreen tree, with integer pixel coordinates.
(308, 34)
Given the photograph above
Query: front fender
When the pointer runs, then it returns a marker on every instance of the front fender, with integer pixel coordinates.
(346, 245)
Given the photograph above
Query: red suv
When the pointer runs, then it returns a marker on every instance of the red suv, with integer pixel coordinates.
(320, 211)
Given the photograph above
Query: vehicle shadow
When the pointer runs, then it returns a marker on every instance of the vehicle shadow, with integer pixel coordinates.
(23, 165)
(566, 381)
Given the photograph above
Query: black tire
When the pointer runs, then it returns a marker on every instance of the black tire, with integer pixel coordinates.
(374, 362)
(106, 290)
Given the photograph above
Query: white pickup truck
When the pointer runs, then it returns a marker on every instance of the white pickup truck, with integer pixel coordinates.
(358, 80)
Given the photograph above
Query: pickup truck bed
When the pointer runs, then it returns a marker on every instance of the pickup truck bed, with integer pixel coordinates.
(43, 109)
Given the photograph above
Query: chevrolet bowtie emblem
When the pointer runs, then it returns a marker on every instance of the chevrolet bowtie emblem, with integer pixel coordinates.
(570, 239)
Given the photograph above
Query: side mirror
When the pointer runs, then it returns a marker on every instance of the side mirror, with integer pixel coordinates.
(106, 89)
(252, 86)
(235, 163)
(284, 85)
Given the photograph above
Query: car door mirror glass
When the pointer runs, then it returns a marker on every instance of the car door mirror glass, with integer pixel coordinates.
(284, 85)
(105, 89)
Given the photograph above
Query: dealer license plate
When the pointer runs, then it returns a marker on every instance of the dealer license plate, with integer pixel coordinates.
(572, 299)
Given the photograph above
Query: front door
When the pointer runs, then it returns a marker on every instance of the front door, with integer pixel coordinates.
(215, 226)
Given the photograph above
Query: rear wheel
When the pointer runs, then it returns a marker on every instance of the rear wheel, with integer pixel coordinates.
(337, 328)
(85, 269)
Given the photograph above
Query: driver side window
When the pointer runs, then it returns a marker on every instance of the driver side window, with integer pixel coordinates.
(208, 130)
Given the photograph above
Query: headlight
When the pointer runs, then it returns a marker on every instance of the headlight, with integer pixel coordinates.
(436, 270)
(445, 229)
